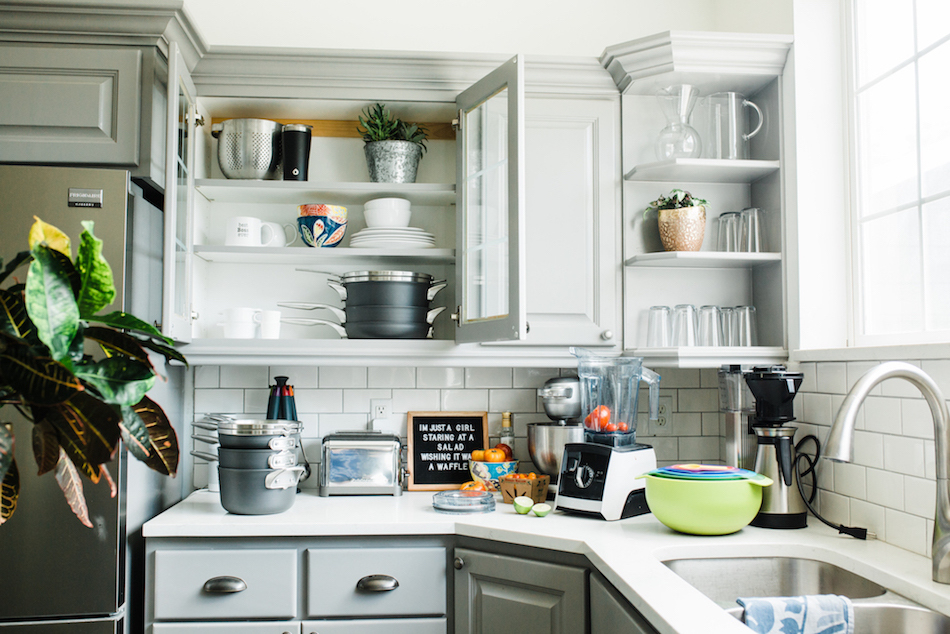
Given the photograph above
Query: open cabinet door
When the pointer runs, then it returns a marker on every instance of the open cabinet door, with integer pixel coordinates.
(490, 271)
(179, 190)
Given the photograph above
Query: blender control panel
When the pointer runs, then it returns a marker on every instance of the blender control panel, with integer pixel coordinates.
(584, 471)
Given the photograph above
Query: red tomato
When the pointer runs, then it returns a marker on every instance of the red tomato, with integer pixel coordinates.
(478, 455)
(604, 414)
(494, 455)
(509, 453)
(609, 427)
(623, 427)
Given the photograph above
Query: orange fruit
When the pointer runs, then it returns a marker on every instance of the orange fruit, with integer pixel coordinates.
(494, 455)
(478, 455)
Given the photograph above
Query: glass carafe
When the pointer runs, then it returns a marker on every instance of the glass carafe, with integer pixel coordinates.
(678, 139)
(610, 387)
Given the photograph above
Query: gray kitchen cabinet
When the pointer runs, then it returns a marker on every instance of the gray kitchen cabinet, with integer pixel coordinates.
(498, 593)
(278, 585)
(610, 613)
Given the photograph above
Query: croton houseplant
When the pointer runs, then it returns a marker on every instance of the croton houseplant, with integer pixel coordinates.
(393, 147)
(681, 219)
(79, 376)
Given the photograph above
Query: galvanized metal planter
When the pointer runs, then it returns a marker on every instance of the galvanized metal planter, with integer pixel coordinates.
(392, 161)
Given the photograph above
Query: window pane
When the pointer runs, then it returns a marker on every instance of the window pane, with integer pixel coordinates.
(937, 263)
(935, 119)
(885, 36)
(887, 131)
(933, 21)
(891, 284)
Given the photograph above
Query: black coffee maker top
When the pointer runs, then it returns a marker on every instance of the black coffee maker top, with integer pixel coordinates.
(774, 389)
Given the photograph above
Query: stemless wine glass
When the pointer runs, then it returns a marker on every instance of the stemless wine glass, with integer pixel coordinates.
(658, 327)
(684, 325)
(746, 329)
(729, 231)
(710, 326)
(730, 332)
(750, 230)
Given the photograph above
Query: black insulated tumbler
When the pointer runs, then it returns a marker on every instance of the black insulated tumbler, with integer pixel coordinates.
(295, 138)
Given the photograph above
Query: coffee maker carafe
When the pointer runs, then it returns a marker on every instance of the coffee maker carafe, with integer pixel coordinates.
(774, 389)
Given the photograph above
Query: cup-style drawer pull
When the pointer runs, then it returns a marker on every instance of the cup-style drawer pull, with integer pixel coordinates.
(377, 583)
(224, 585)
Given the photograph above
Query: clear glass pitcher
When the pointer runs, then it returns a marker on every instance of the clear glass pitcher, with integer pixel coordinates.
(678, 139)
(610, 387)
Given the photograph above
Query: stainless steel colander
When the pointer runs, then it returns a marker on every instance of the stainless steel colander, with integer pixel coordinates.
(249, 148)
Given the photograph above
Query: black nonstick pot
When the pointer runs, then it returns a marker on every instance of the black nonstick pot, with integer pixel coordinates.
(369, 329)
(391, 288)
(371, 313)
(258, 434)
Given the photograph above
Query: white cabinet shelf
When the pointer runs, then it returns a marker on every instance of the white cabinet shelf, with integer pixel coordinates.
(703, 259)
(700, 170)
(707, 356)
(331, 256)
(297, 192)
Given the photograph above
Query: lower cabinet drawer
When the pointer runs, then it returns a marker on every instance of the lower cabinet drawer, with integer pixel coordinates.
(376, 626)
(290, 627)
(225, 584)
(365, 582)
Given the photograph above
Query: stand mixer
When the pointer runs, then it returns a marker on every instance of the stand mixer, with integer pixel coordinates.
(561, 398)
(599, 476)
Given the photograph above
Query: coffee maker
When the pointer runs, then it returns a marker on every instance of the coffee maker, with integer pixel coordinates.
(774, 389)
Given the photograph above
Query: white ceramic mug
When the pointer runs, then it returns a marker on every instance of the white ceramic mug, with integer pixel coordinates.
(270, 323)
(243, 231)
(274, 234)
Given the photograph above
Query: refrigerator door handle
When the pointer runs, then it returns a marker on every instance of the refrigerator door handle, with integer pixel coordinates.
(224, 585)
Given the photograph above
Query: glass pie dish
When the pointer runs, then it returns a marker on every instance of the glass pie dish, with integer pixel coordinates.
(458, 501)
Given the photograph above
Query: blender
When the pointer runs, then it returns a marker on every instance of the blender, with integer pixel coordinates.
(774, 389)
(599, 476)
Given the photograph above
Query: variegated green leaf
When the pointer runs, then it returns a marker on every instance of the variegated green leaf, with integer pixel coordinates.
(39, 380)
(168, 352)
(87, 429)
(115, 343)
(117, 380)
(50, 301)
(135, 434)
(69, 481)
(14, 319)
(52, 237)
(6, 448)
(125, 321)
(98, 288)
(9, 492)
(164, 442)
(45, 447)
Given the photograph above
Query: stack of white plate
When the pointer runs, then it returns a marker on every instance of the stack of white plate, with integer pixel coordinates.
(392, 238)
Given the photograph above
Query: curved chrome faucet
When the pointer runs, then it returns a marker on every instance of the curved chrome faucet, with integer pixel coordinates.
(839, 444)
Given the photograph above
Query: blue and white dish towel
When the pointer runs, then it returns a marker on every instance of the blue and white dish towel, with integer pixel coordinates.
(815, 614)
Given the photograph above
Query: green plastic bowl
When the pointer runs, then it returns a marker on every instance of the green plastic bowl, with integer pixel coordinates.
(704, 507)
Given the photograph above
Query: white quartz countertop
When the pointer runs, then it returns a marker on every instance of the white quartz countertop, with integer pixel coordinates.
(628, 552)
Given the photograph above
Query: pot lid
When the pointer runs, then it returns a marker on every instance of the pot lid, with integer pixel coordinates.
(385, 276)
(258, 427)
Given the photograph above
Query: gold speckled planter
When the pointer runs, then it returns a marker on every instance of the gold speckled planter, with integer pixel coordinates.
(682, 229)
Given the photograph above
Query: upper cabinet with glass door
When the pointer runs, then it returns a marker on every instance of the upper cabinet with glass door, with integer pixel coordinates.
(744, 69)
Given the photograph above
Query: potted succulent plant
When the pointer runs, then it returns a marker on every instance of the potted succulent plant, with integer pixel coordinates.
(681, 219)
(79, 376)
(393, 147)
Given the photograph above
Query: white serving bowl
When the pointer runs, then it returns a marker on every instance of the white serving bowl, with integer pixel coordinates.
(387, 217)
(387, 203)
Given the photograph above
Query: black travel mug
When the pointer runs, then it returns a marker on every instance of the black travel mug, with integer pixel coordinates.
(295, 139)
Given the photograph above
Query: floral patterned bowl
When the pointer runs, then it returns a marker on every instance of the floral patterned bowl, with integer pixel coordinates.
(322, 225)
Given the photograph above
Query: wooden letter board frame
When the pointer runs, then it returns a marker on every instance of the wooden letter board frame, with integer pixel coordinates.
(468, 431)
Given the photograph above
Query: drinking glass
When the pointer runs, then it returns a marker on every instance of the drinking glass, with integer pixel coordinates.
(750, 231)
(658, 327)
(684, 325)
(730, 332)
(745, 326)
(710, 326)
(729, 231)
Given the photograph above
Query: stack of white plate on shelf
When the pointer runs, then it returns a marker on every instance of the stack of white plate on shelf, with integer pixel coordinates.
(393, 238)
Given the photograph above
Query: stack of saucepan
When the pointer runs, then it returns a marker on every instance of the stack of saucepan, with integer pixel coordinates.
(257, 465)
(378, 305)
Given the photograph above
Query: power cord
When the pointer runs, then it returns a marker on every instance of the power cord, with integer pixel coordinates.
(812, 463)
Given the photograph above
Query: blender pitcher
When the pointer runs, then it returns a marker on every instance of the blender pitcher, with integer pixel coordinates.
(610, 387)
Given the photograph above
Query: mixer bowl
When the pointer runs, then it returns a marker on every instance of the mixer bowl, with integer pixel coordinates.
(546, 444)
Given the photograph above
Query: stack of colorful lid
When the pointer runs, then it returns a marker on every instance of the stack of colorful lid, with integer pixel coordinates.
(706, 472)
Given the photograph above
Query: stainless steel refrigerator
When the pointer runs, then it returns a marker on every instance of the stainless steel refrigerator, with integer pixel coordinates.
(56, 575)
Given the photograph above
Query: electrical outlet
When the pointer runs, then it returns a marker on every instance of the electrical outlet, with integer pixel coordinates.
(380, 408)
(661, 426)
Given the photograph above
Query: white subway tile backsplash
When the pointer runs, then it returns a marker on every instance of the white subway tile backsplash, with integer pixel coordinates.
(832, 378)
(440, 378)
(809, 378)
(360, 400)
(907, 531)
(900, 387)
(243, 376)
(834, 507)
(416, 400)
(464, 401)
(342, 377)
(869, 449)
(680, 378)
(698, 400)
(916, 419)
(882, 414)
(869, 516)
(207, 376)
(219, 401)
(532, 377)
(513, 400)
(857, 369)
(318, 401)
(330, 423)
(904, 455)
(698, 448)
(488, 377)
(687, 424)
(885, 488)
(298, 376)
(391, 377)
(816, 408)
(666, 449)
(851, 480)
(920, 496)
(255, 401)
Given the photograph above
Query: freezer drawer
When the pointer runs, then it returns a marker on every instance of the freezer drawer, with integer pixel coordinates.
(376, 626)
(252, 584)
(334, 575)
(288, 627)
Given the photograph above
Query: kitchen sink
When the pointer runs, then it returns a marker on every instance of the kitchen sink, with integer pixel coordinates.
(889, 618)
(725, 579)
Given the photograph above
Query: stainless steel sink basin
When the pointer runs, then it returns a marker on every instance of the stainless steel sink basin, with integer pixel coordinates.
(725, 579)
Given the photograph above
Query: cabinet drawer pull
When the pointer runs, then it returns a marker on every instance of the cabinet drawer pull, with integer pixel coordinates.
(377, 583)
(224, 585)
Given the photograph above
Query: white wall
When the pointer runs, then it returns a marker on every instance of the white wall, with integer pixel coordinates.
(541, 27)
